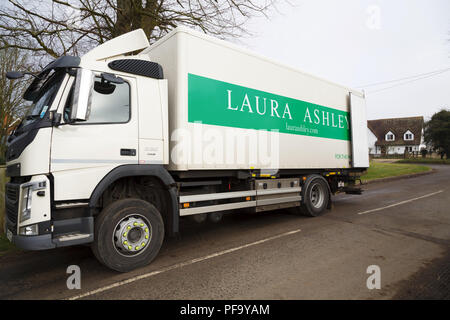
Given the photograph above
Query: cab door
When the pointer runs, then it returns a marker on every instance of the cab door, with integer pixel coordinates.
(83, 153)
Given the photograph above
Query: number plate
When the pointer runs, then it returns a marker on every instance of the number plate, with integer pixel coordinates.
(9, 235)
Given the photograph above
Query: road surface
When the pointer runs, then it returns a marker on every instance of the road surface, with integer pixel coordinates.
(402, 226)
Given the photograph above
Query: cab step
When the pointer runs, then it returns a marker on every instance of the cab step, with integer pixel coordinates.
(74, 231)
(73, 239)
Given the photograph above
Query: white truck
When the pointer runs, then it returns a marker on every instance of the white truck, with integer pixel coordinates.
(117, 147)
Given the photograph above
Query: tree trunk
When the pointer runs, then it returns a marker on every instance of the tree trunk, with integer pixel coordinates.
(128, 16)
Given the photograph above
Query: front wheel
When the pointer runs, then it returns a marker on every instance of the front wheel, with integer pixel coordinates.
(128, 234)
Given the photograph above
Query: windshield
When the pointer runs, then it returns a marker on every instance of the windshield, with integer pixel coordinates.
(44, 98)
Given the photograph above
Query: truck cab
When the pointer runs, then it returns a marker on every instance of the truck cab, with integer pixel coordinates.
(86, 119)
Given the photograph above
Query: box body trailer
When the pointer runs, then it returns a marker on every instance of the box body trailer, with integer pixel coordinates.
(118, 148)
(216, 85)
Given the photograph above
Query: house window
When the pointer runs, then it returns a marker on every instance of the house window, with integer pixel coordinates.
(408, 136)
(390, 136)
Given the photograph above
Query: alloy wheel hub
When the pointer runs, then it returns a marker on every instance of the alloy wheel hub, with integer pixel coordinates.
(317, 196)
(132, 235)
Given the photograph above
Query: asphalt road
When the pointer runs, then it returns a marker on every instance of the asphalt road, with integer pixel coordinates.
(404, 229)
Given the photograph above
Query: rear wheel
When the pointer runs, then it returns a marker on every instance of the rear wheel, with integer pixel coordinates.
(316, 196)
(128, 234)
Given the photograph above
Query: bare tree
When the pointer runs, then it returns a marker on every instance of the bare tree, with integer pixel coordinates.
(60, 27)
(12, 107)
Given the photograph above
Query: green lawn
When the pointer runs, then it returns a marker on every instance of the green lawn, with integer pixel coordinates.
(379, 170)
(5, 245)
(425, 161)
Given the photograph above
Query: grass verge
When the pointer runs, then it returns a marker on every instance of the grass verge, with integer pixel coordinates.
(425, 161)
(5, 245)
(380, 170)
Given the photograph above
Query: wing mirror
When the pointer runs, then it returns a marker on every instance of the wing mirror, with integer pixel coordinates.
(55, 118)
(107, 84)
(13, 75)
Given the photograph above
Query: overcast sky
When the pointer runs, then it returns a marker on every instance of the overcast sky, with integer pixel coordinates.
(359, 42)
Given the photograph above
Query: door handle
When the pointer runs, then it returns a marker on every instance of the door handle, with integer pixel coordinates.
(128, 152)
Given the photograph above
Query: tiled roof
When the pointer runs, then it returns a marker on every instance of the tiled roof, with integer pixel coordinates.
(398, 126)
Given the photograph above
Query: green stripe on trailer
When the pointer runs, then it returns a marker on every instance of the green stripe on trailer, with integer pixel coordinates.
(215, 102)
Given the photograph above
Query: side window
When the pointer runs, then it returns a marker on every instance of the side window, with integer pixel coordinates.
(110, 104)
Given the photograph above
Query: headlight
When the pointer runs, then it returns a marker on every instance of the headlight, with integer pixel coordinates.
(27, 193)
(32, 230)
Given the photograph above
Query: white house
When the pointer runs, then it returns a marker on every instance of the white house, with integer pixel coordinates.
(395, 135)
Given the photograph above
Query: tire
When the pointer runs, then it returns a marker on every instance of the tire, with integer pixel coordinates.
(144, 233)
(316, 195)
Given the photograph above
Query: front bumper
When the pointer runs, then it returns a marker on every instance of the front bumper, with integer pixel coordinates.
(61, 237)
(42, 242)
(37, 242)
(50, 234)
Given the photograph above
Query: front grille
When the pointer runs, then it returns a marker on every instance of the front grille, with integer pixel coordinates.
(12, 193)
(12, 201)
